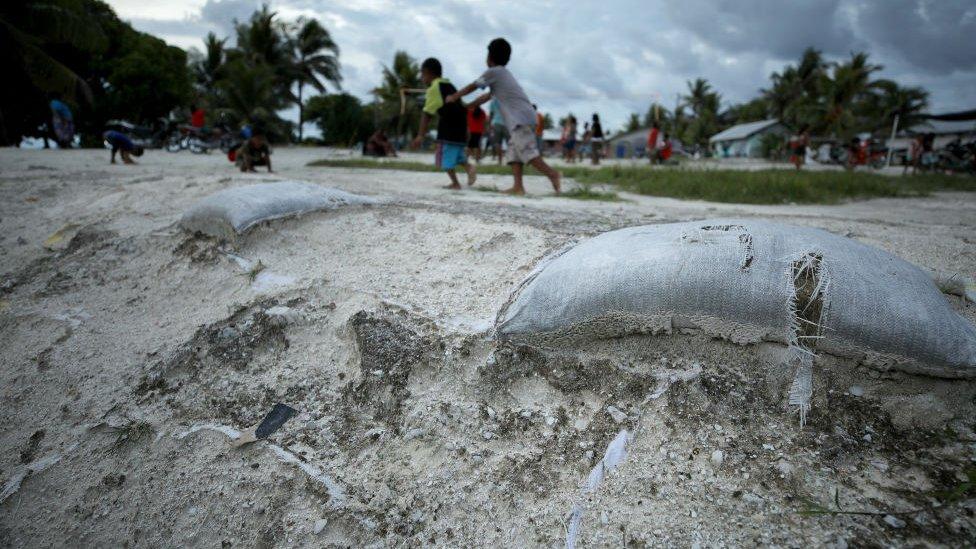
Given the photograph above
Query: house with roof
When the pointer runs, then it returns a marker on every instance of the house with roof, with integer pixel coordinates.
(744, 140)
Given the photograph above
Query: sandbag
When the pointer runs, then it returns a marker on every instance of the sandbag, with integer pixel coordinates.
(748, 280)
(233, 211)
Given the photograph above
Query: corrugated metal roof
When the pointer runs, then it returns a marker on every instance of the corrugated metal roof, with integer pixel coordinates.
(945, 126)
(742, 131)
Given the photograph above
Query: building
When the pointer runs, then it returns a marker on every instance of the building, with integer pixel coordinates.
(629, 145)
(745, 140)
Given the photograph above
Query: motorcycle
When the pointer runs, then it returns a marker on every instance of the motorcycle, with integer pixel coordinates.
(957, 157)
(200, 141)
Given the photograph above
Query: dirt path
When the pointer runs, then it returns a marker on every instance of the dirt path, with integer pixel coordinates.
(127, 345)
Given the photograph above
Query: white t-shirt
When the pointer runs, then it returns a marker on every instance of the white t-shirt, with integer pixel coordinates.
(515, 105)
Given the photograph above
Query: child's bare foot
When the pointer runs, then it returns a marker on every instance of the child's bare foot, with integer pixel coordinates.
(452, 187)
(472, 175)
(514, 190)
(557, 183)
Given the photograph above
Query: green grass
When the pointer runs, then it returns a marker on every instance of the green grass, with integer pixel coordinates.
(778, 186)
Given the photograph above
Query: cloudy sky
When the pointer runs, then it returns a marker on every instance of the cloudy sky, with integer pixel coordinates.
(616, 56)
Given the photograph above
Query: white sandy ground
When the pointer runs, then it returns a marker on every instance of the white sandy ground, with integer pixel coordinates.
(130, 350)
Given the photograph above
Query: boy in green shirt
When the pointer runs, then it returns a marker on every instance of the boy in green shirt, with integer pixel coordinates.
(452, 124)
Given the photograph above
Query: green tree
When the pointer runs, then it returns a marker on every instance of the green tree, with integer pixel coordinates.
(148, 79)
(657, 113)
(796, 93)
(207, 66)
(404, 73)
(846, 90)
(891, 100)
(750, 111)
(79, 51)
(633, 122)
(341, 118)
(37, 40)
(316, 58)
(704, 103)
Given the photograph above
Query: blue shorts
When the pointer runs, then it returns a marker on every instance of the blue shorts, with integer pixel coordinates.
(449, 155)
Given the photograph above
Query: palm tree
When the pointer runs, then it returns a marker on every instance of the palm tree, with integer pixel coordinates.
(845, 89)
(699, 96)
(907, 104)
(403, 74)
(315, 55)
(26, 31)
(262, 39)
(207, 69)
(704, 104)
(246, 93)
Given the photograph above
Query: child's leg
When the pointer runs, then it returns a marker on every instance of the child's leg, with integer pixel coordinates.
(517, 187)
(454, 180)
(546, 170)
(472, 172)
(125, 156)
(114, 150)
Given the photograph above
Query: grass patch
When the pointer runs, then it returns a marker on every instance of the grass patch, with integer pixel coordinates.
(742, 187)
(586, 192)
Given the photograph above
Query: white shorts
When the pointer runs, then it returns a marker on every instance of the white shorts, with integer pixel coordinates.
(522, 146)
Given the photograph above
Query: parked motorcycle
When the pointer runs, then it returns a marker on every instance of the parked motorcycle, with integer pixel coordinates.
(957, 157)
(199, 141)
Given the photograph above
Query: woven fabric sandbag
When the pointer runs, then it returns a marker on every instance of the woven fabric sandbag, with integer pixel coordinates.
(805, 287)
(233, 211)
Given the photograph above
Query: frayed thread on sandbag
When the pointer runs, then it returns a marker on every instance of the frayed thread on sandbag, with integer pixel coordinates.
(807, 307)
(745, 238)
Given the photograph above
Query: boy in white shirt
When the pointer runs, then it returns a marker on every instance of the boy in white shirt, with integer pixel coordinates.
(516, 109)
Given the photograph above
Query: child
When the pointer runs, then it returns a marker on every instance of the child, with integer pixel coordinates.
(122, 145)
(254, 152)
(517, 111)
(452, 123)
(476, 129)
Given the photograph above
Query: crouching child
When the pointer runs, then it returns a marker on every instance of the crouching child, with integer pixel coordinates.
(121, 144)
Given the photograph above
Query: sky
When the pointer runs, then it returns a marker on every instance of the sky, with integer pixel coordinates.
(616, 56)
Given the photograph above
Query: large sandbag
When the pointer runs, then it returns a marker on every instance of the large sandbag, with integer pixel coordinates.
(235, 210)
(747, 280)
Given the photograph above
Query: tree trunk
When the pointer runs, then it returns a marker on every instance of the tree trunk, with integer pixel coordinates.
(301, 113)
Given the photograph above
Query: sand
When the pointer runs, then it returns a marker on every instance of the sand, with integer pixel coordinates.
(129, 350)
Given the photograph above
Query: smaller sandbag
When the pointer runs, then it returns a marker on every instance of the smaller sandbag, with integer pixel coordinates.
(233, 211)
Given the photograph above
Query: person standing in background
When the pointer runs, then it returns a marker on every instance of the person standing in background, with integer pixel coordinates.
(198, 117)
(596, 140)
(569, 139)
(498, 131)
(476, 129)
(62, 124)
(653, 143)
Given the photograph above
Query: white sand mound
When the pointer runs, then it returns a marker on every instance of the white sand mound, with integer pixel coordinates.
(233, 211)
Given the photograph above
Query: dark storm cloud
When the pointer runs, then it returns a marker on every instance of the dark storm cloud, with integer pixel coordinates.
(221, 14)
(616, 56)
(780, 28)
(934, 36)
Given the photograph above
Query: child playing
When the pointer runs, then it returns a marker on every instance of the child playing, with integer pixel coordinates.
(516, 109)
(254, 152)
(452, 123)
(123, 145)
